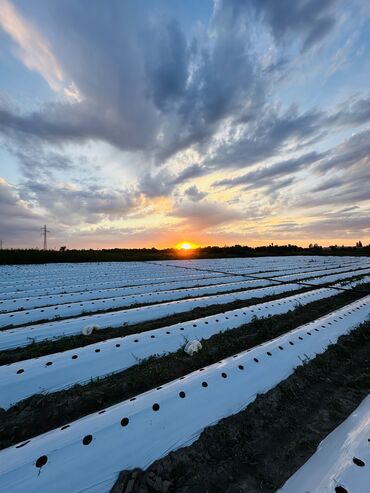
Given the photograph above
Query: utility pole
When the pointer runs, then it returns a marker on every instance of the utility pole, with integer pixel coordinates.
(1, 244)
(44, 232)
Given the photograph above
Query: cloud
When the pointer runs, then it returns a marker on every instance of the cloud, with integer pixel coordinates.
(163, 182)
(354, 151)
(274, 130)
(311, 19)
(36, 162)
(194, 194)
(169, 90)
(261, 177)
(31, 47)
(69, 204)
(341, 174)
(333, 225)
(203, 216)
(353, 111)
(266, 137)
(163, 94)
(167, 66)
(17, 221)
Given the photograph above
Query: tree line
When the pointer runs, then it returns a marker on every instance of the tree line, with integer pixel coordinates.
(35, 256)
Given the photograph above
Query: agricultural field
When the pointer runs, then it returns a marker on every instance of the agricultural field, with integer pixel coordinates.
(99, 392)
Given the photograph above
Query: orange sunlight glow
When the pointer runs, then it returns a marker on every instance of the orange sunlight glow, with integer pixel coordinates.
(186, 245)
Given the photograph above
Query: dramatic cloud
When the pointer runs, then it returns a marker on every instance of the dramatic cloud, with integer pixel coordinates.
(222, 119)
(311, 19)
(353, 151)
(163, 182)
(161, 94)
(32, 48)
(73, 205)
(262, 177)
(17, 221)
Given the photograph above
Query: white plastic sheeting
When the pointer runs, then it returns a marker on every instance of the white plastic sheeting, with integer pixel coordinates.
(61, 370)
(74, 309)
(24, 336)
(149, 296)
(266, 262)
(98, 286)
(87, 455)
(60, 298)
(41, 288)
(60, 278)
(123, 271)
(24, 303)
(342, 461)
(32, 272)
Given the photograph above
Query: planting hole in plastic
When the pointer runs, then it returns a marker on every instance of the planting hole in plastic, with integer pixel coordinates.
(87, 439)
(23, 444)
(41, 461)
(358, 462)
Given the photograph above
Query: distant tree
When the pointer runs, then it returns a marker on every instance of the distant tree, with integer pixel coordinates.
(63, 248)
(359, 244)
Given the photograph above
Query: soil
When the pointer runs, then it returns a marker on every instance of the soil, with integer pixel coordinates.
(42, 413)
(258, 449)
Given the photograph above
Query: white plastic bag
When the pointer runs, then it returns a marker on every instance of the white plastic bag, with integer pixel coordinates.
(192, 347)
(89, 329)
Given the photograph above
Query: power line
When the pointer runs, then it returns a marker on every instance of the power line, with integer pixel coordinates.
(44, 233)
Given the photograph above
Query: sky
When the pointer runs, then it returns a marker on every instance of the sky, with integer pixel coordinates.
(144, 123)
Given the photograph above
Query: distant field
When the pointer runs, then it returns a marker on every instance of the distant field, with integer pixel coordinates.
(94, 379)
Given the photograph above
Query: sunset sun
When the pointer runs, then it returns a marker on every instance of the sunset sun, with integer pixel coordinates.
(186, 245)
